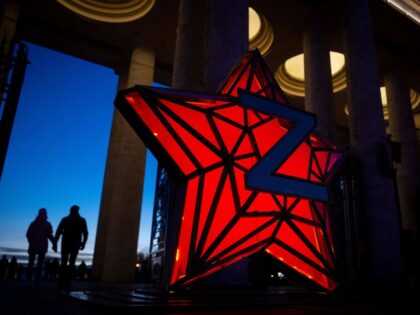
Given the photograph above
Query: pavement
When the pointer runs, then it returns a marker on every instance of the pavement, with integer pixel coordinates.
(16, 297)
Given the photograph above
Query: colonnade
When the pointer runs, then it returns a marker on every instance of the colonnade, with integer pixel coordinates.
(211, 37)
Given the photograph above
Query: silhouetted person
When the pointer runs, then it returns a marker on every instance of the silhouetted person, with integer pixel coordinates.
(38, 234)
(13, 267)
(75, 234)
(4, 265)
(82, 271)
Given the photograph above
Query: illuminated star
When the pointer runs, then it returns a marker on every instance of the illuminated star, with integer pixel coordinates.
(255, 174)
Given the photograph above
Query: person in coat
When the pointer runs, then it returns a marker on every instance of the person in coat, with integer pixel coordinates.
(73, 229)
(38, 234)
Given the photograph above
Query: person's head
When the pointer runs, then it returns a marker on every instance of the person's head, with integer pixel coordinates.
(42, 213)
(74, 210)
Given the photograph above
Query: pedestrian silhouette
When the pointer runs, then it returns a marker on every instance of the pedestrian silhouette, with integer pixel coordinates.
(82, 271)
(38, 234)
(74, 233)
(4, 265)
(13, 267)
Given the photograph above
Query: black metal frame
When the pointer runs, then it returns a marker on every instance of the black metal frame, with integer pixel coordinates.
(200, 261)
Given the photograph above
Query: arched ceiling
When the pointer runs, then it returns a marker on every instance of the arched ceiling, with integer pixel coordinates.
(52, 24)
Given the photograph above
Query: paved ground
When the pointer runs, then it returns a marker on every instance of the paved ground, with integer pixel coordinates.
(17, 298)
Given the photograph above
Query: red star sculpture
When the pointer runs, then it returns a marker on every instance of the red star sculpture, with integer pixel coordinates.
(255, 174)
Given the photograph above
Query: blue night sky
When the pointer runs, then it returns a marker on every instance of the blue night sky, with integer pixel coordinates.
(57, 151)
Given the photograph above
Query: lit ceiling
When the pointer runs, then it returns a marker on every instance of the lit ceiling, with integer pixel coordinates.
(116, 11)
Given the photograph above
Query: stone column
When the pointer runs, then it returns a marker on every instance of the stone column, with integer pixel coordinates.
(318, 81)
(212, 36)
(119, 217)
(188, 71)
(368, 139)
(226, 41)
(403, 130)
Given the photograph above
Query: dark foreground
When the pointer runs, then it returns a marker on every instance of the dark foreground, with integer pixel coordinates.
(17, 298)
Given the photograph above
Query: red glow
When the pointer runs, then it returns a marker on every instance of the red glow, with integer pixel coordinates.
(240, 231)
(214, 142)
(297, 165)
(232, 113)
(303, 210)
(231, 133)
(204, 155)
(165, 138)
(211, 181)
(264, 202)
(225, 212)
(268, 135)
(243, 193)
(245, 147)
(301, 267)
(196, 119)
